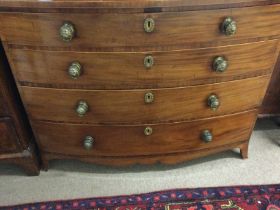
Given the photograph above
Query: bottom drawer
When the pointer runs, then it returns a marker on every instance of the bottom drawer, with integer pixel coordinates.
(70, 139)
(8, 136)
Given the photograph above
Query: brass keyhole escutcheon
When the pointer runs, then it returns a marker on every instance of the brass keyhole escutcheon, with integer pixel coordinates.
(148, 131)
(148, 61)
(149, 98)
(149, 25)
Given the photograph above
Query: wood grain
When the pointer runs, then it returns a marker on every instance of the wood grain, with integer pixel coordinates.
(11, 102)
(127, 71)
(111, 32)
(26, 159)
(121, 32)
(16, 144)
(271, 102)
(8, 139)
(70, 6)
(145, 159)
(131, 141)
(2, 107)
(128, 106)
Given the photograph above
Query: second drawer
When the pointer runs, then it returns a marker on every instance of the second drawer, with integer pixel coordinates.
(93, 70)
(143, 106)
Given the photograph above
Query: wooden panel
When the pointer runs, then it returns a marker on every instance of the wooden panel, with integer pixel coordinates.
(271, 102)
(131, 141)
(8, 137)
(126, 70)
(125, 31)
(172, 158)
(24, 5)
(2, 107)
(10, 104)
(16, 145)
(128, 106)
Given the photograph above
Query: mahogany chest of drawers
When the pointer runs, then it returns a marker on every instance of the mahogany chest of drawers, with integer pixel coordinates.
(121, 82)
(16, 142)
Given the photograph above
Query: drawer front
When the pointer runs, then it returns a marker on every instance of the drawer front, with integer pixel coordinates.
(126, 31)
(128, 70)
(130, 140)
(8, 137)
(130, 106)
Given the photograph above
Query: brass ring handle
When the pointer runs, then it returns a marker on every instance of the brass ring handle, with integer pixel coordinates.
(148, 131)
(75, 70)
(148, 61)
(206, 136)
(213, 102)
(220, 64)
(229, 27)
(149, 98)
(82, 108)
(149, 25)
(67, 31)
(88, 142)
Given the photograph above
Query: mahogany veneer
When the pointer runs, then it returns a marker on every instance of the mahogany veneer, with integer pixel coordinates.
(130, 81)
(127, 140)
(128, 106)
(125, 70)
(124, 32)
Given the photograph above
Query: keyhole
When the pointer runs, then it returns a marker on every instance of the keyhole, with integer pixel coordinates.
(148, 131)
(148, 61)
(149, 98)
(149, 24)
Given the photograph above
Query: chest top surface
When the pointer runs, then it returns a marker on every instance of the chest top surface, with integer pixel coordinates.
(128, 5)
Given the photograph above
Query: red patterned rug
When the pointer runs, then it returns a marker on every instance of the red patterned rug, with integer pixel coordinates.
(264, 197)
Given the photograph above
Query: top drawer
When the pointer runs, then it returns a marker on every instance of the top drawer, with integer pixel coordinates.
(125, 32)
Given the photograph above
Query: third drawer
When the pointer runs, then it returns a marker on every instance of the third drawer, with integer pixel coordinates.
(144, 105)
